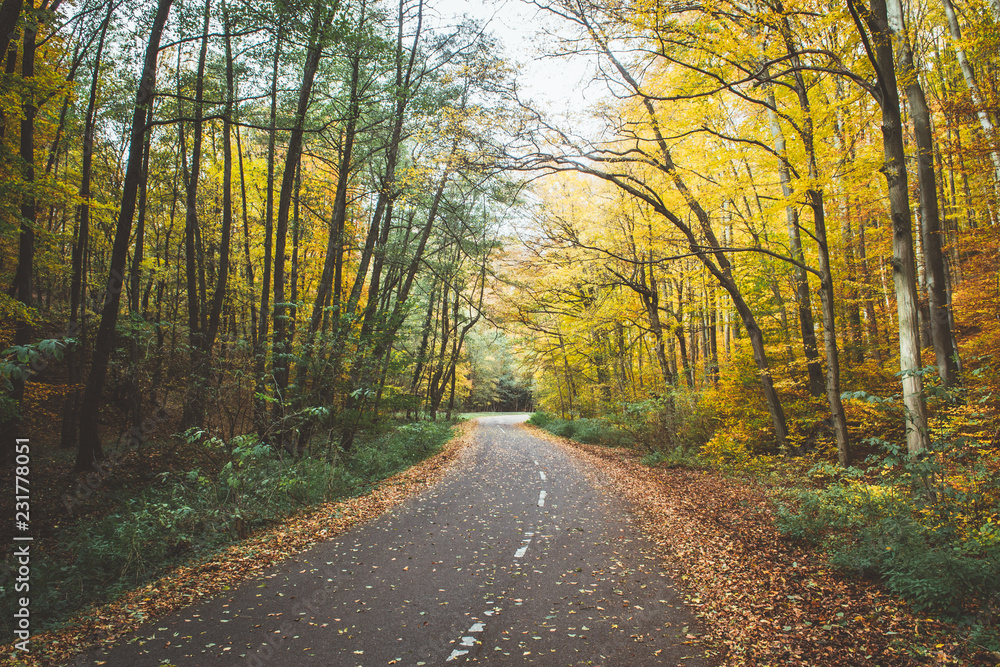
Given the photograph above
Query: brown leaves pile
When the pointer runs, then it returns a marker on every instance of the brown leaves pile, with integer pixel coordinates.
(763, 600)
(187, 584)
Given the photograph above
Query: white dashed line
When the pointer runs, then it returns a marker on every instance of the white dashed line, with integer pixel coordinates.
(541, 499)
(468, 640)
(542, 475)
(536, 462)
(523, 549)
(502, 431)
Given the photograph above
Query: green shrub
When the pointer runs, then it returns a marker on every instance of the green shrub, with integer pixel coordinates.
(921, 531)
(588, 431)
(540, 419)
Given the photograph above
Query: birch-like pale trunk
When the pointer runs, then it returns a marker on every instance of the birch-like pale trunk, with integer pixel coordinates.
(970, 80)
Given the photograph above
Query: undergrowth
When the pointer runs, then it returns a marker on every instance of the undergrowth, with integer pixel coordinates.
(590, 431)
(193, 513)
(926, 525)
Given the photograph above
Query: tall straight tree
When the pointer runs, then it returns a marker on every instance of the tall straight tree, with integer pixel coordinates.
(89, 451)
(930, 218)
(193, 400)
(320, 21)
(259, 352)
(904, 272)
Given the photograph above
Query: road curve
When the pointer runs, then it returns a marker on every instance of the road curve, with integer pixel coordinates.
(514, 558)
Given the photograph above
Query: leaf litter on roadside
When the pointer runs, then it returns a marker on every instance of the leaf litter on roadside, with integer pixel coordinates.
(764, 600)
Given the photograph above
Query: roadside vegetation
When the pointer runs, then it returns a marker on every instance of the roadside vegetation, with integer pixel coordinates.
(926, 528)
(116, 537)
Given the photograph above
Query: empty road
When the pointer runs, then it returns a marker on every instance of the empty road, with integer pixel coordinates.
(514, 558)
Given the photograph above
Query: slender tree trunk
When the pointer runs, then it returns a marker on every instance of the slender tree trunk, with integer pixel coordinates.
(222, 281)
(970, 80)
(10, 12)
(829, 328)
(903, 262)
(23, 287)
(321, 19)
(90, 451)
(803, 299)
(140, 228)
(330, 284)
(194, 403)
(248, 266)
(939, 305)
(651, 300)
(260, 354)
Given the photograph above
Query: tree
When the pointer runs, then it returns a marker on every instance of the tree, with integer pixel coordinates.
(90, 451)
(903, 264)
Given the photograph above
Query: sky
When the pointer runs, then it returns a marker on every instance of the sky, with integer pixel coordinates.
(560, 85)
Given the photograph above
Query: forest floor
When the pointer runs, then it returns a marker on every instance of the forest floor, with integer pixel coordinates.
(765, 600)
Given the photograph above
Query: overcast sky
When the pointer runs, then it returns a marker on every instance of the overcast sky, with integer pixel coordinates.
(560, 85)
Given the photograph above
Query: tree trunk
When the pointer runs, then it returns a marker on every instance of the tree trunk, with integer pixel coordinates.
(248, 266)
(903, 263)
(194, 403)
(970, 80)
(802, 297)
(10, 12)
(222, 280)
(26, 240)
(260, 354)
(330, 284)
(281, 347)
(930, 220)
(90, 451)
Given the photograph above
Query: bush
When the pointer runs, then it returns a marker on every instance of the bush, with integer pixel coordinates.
(588, 431)
(540, 419)
(925, 526)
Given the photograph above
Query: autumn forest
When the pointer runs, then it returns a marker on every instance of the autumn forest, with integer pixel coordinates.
(258, 256)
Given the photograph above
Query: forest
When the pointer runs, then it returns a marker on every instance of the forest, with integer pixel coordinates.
(260, 255)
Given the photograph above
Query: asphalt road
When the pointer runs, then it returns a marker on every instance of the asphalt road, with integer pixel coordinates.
(514, 558)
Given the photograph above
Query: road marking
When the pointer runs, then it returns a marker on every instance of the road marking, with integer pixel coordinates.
(541, 499)
(536, 462)
(524, 545)
(469, 640)
(502, 431)
(542, 475)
